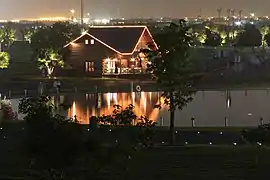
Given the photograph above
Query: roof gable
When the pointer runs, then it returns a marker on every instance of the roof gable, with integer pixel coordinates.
(123, 39)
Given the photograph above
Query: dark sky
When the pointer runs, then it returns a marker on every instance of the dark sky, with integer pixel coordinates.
(18, 9)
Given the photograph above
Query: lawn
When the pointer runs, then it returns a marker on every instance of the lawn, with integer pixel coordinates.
(227, 157)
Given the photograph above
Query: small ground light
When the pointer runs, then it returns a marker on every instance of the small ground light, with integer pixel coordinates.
(186, 142)
(221, 133)
(259, 143)
(176, 132)
(235, 143)
(110, 130)
(1, 128)
(88, 129)
(162, 142)
(5, 137)
(198, 132)
(210, 143)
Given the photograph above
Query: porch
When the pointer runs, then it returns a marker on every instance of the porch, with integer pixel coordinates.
(124, 65)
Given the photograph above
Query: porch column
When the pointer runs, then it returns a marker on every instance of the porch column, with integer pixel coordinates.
(120, 66)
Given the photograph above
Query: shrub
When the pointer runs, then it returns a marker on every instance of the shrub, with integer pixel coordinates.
(52, 141)
(7, 111)
(261, 134)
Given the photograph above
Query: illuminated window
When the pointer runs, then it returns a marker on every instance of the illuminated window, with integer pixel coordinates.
(89, 66)
(92, 41)
(86, 41)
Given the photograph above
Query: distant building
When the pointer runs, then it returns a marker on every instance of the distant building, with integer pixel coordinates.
(109, 50)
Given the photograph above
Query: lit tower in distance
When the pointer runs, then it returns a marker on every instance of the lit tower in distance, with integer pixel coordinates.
(240, 15)
(228, 16)
(82, 11)
(219, 10)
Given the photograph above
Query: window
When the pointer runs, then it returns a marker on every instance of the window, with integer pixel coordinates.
(89, 66)
(86, 41)
(92, 41)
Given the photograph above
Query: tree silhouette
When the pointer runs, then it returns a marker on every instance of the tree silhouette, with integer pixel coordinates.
(172, 68)
(249, 37)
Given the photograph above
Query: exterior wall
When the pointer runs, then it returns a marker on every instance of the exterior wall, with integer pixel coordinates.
(145, 42)
(79, 53)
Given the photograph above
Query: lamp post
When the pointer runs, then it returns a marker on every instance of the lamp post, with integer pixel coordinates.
(72, 14)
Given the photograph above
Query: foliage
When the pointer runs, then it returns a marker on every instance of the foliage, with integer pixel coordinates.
(120, 116)
(267, 39)
(119, 151)
(27, 33)
(51, 40)
(50, 61)
(8, 113)
(213, 38)
(249, 37)
(172, 68)
(4, 60)
(261, 134)
(264, 31)
(56, 145)
(7, 35)
(53, 37)
(53, 141)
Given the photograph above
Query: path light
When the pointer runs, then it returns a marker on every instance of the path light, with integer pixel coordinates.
(176, 132)
(116, 141)
(235, 143)
(186, 142)
(259, 143)
(198, 132)
(221, 133)
(110, 130)
(162, 142)
(5, 137)
(1, 128)
(88, 129)
(210, 143)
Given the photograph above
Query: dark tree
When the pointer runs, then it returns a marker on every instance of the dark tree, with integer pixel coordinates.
(249, 37)
(267, 39)
(173, 69)
(213, 39)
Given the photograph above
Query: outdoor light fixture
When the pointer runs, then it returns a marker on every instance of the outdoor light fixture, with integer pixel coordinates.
(259, 143)
(235, 143)
(1, 128)
(210, 143)
(198, 132)
(221, 133)
(186, 142)
(110, 130)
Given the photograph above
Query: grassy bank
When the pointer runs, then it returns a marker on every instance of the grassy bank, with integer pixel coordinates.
(227, 157)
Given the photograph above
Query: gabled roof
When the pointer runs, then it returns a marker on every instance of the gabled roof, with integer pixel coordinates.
(121, 39)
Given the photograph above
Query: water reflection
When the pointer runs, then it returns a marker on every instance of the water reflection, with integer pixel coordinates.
(209, 108)
(85, 106)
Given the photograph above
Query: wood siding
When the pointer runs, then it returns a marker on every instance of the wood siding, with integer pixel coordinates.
(80, 52)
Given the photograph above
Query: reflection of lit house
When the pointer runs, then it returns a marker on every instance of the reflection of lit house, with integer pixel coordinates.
(110, 50)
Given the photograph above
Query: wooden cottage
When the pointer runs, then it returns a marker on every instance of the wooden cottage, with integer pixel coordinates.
(109, 50)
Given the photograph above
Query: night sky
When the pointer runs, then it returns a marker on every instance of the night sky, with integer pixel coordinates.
(19, 9)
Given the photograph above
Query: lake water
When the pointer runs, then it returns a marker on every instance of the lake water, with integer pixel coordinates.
(209, 108)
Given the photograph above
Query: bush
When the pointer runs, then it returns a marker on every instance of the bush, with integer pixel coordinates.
(52, 141)
(261, 134)
(7, 111)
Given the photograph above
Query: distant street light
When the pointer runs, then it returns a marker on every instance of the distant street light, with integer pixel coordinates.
(72, 14)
